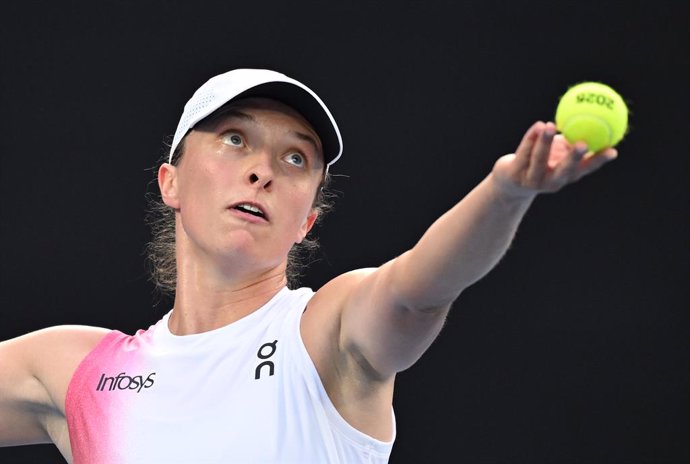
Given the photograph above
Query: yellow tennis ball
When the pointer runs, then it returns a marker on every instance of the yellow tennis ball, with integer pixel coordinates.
(594, 113)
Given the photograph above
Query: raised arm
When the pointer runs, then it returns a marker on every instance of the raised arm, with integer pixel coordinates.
(390, 315)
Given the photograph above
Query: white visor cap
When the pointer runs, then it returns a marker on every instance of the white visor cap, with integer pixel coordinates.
(244, 83)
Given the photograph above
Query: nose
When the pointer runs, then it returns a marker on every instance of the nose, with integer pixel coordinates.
(260, 172)
(261, 181)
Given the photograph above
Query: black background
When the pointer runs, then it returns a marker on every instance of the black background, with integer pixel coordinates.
(574, 350)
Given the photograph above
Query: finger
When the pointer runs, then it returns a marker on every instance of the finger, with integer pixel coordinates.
(524, 150)
(538, 164)
(592, 163)
(568, 169)
(560, 148)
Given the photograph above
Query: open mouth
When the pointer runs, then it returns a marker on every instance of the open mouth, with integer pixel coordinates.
(250, 209)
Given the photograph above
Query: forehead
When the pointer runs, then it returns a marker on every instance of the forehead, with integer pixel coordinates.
(248, 105)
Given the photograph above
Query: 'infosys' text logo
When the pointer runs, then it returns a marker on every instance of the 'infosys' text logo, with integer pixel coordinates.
(125, 382)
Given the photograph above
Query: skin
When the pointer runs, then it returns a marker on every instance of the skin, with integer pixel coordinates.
(229, 262)
(361, 328)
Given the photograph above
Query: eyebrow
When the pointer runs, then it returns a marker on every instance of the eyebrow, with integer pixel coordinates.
(211, 122)
(234, 112)
(307, 138)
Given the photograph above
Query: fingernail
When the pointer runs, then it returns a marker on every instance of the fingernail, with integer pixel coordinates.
(580, 150)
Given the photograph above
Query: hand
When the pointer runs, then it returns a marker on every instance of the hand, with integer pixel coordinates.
(546, 162)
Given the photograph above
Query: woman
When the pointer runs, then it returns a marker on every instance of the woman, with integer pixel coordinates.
(243, 369)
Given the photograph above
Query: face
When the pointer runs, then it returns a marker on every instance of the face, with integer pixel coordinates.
(244, 189)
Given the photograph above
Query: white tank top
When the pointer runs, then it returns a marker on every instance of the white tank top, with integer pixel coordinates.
(244, 393)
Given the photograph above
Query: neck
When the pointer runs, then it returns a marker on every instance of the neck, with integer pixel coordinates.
(206, 300)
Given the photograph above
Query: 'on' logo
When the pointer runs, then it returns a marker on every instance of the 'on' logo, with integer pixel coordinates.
(265, 352)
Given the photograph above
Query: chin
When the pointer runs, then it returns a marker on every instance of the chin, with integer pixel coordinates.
(244, 248)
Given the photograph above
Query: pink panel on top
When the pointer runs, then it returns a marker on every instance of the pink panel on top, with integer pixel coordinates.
(95, 404)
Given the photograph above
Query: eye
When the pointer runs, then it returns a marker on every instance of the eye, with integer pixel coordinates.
(296, 159)
(233, 139)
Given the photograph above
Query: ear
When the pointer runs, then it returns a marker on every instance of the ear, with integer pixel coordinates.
(167, 183)
(307, 225)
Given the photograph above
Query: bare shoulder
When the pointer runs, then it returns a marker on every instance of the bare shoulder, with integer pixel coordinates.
(340, 289)
(62, 349)
(325, 307)
(36, 371)
(51, 355)
(67, 335)
(54, 345)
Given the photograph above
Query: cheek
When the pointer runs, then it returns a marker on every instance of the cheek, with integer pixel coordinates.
(302, 197)
(198, 183)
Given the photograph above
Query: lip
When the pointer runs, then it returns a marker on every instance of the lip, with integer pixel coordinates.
(247, 216)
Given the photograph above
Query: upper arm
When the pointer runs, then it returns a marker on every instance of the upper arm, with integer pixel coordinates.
(382, 325)
(378, 326)
(35, 370)
(22, 397)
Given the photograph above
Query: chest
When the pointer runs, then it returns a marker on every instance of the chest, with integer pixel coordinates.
(244, 401)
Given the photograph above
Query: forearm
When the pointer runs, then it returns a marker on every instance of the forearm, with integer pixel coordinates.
(461, 247)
